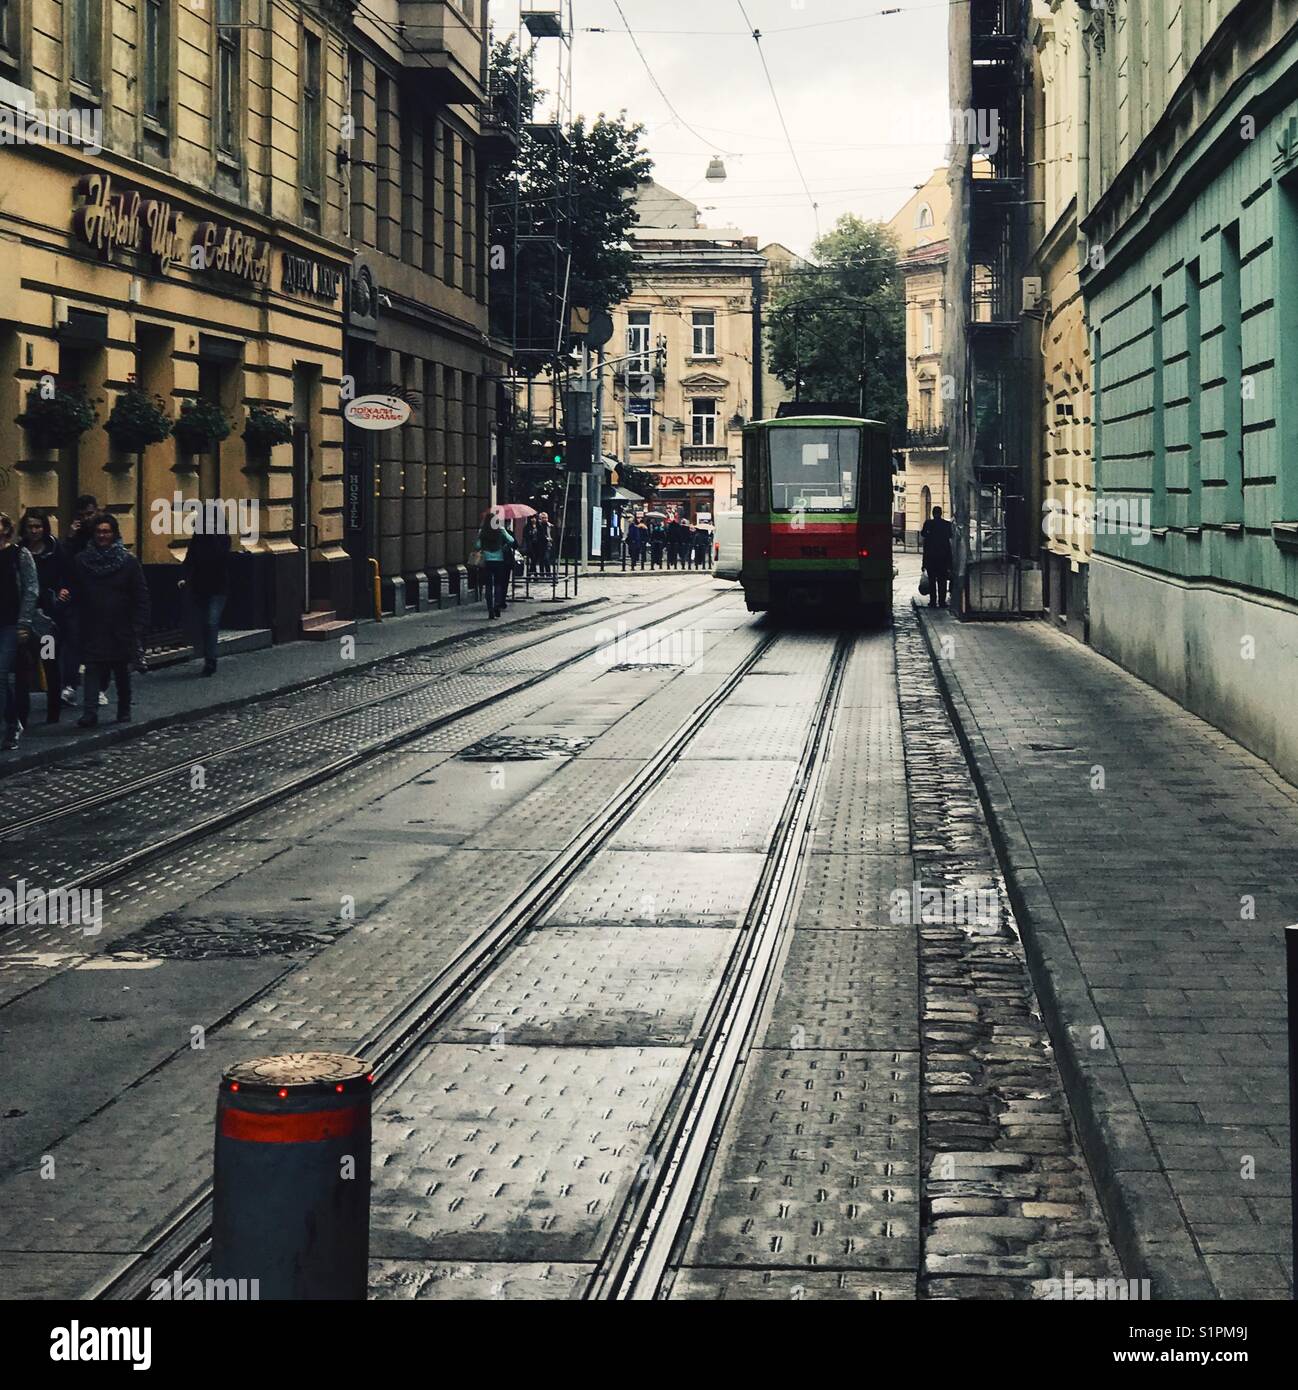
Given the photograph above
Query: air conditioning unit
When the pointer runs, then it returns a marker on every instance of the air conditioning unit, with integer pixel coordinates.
(1031, 292)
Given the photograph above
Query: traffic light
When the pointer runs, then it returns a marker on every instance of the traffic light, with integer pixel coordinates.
(557, 452)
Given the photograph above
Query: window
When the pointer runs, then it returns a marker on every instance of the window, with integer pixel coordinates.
(83, 42)
(450, 198)
(637, 339)
(926, 417)
(924, 216)
(705, 334)
(156, 75)
(639, 431)
(228, 95)
(311, 104)
(814, 469)
(927, 335)
(9, 37)
(703, 418)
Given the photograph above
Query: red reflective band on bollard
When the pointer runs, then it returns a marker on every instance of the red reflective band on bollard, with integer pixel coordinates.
(261, 1128)
(291, 1180)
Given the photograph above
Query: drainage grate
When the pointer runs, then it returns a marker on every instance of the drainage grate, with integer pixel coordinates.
(517, 748)
(647, 666)
(177, 937)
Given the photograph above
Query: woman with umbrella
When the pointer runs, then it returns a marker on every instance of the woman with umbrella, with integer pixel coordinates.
(657, 538)
(497, 544)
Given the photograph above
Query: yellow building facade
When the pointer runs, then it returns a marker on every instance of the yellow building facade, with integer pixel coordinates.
(920, 228)
(180, 230)
(1064, 428)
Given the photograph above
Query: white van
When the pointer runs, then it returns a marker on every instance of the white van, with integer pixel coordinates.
(728, 545)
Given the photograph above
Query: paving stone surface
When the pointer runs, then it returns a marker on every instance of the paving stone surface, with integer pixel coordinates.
(1153, 864)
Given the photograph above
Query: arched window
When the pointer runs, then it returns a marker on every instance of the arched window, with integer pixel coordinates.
(924, 217)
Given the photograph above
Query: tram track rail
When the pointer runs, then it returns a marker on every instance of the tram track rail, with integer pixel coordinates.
(182, 1244)
(158, 848)
(653, 1228)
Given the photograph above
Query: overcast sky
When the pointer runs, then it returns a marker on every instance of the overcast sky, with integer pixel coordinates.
(864, 98)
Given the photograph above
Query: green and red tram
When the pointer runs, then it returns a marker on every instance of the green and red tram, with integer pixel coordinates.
(818, 517)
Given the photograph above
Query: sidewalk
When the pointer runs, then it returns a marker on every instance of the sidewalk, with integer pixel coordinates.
(1153, 864)
(177, 692)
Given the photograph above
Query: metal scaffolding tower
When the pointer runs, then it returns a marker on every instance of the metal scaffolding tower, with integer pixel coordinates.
(538, 214)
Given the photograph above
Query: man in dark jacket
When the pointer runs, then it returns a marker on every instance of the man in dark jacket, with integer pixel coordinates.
(204, 579)
(935, 537)
(636, 540)
(112, 601)
(676, 537)
(72, 544)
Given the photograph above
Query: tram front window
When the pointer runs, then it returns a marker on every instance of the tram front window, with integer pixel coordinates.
(814, 470)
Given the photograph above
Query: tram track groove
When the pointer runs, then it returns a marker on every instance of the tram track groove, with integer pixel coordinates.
(653, 1226)
(182, 1242)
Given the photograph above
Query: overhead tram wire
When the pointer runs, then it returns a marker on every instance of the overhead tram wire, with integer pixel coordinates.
(779, 111)
(658, 87)
(889, 13)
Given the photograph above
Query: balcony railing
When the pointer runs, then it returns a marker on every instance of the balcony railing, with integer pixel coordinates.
(702, 453)
(929, 437)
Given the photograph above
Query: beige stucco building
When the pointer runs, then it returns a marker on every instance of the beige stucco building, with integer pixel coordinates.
(695, 289)
(921, 231)
(193, 246)
(1063, 433)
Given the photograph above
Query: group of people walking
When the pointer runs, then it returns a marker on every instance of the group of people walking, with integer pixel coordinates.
(80, 603)
(681, 543)
(74, 611)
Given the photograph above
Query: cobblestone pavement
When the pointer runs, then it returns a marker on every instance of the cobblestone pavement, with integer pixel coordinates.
(1153, 863)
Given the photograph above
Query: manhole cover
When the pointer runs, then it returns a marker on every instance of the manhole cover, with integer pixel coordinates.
(514, 748)
(174, 937)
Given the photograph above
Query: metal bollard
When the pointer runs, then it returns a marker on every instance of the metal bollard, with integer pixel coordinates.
(291, 1200)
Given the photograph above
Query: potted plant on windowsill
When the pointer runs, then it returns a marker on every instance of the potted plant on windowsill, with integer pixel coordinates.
(55, 418)
(263, 430)
(136, 421)
(199, 426)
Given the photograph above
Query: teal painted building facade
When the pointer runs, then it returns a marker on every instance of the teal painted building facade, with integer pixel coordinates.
(1191, 288)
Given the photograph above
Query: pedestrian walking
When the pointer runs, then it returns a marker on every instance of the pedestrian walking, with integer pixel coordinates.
(657, 544)
(204, 580)
(676, 533)
(84, 512)
(543, 546)
(112, 602)
(935, 538)
(18, 586)
(53, 600)
(496, 542)
(637, 540)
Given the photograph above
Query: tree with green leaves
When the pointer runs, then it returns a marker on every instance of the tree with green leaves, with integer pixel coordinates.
(837, 330)
(573, 186)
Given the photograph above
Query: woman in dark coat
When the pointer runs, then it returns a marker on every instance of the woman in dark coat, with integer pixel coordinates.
(53, 594)
(113, 603)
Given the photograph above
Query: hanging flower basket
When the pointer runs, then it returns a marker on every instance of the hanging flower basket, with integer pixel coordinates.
(199, 425)
(263, 430)
(136, 421)
(55, 420)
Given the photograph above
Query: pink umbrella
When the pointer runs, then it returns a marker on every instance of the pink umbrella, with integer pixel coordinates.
(511, 511)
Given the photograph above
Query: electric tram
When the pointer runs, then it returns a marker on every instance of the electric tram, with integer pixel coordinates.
(818, 517)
